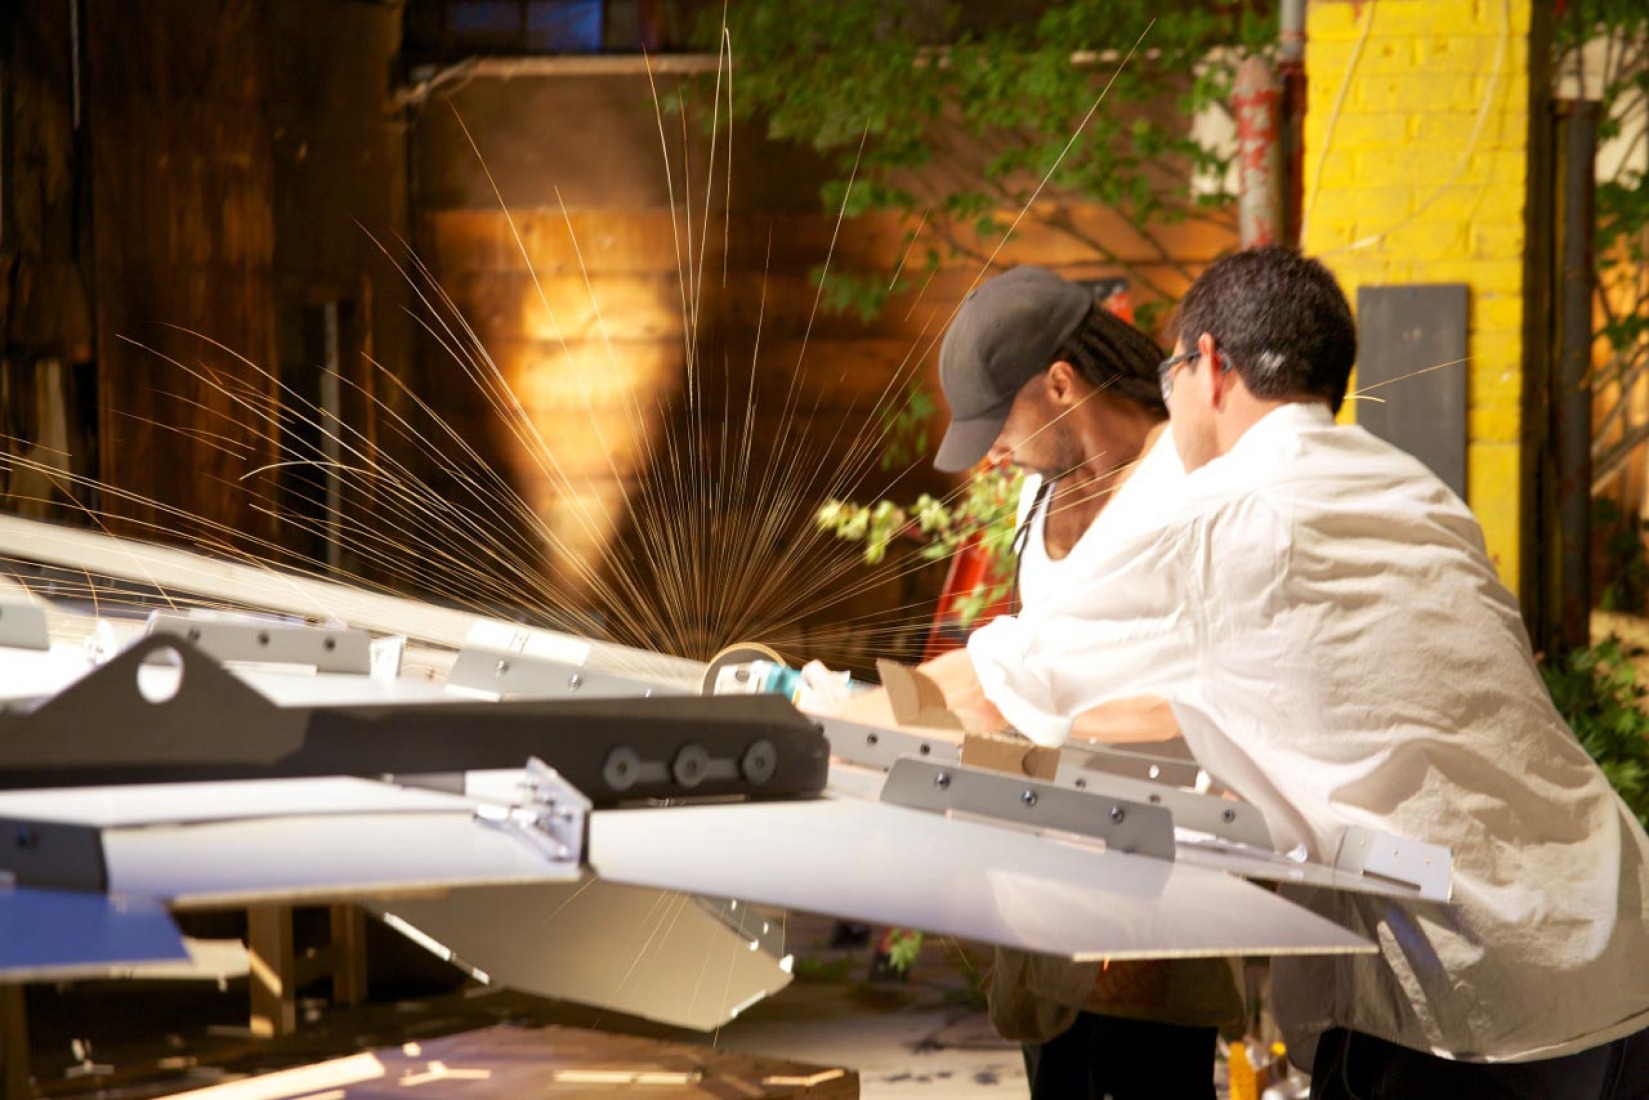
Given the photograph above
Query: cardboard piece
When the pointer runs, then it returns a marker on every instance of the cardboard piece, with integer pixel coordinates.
(1006, 752)
(915, 699)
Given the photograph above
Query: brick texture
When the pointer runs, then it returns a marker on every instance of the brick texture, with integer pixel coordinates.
(1415, 172)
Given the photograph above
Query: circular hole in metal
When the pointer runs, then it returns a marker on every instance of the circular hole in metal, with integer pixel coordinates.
(160, 676)
(263, 637)
(871, 738)
(330, 644)
(924, 749)
(194, 633)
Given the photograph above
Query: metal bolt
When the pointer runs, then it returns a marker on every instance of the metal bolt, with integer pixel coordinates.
(575, 681)
(500, 668)
(941, 781)
(1028, 798)
(1118, 814)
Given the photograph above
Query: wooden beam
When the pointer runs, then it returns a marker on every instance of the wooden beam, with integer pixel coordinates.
(15, 1082)
(274, 970)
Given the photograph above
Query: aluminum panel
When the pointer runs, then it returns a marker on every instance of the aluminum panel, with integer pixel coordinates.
(659, 955)
(887, 864)
(177, 803)
(339, 856)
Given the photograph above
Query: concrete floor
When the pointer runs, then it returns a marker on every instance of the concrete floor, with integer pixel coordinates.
(925, 1036)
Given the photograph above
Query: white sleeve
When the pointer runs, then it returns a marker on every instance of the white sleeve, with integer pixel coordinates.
(1129, 631)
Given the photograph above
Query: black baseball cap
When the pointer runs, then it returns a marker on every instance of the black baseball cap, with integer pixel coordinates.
(1005, 334)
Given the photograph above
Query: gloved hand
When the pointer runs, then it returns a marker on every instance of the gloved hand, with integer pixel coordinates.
(823, 690)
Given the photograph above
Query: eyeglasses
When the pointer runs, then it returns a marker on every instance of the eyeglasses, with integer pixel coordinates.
(1165, 371)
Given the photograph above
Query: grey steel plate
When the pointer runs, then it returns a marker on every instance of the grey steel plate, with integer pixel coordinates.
(1213, 854)
(650, 953)
(887, 864)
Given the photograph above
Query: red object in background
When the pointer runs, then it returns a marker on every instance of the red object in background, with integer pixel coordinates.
(970, 567)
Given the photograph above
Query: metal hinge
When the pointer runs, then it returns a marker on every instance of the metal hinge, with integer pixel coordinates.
(551, 817)
(498, 673)
(1429, 868)
(328, 649)
(1123, 824)
(875, 747)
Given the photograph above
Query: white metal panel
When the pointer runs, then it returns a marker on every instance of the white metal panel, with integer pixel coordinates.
(1251, 863)
(335, 689)
(177, 803)
(887, 864)
(61, 934)
(322, 857)
(1192, 848)
(649, 953)
(289, 593)
(32, 674)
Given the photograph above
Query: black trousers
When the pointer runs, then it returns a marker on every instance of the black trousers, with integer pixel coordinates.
(1108, 1056)
(1353, 1066)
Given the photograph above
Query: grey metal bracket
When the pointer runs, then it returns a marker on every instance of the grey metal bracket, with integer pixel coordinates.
(53, 855)
(1130, 765)
(762, 932)
(552, 817)
(500, 673)
(23, 626)
(1122, 824)
(1221, 817)
(875, 747)
(328, 649)
(1429, 868)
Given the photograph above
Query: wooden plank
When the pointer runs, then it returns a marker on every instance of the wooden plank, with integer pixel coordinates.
(273, 979)
(642, 241)
(349, 969)
(552, 1062)
(515, 305)
(15, 1083)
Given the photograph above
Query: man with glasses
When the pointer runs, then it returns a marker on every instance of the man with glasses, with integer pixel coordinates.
(1319, 612)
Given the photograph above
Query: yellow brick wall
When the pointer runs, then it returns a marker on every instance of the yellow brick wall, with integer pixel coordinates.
(1416, 135)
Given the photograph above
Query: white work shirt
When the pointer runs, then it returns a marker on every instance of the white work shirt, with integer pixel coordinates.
(1044, 580)
(1319, 611)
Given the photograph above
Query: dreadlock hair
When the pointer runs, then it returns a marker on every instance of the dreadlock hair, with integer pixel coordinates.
(1113, 355)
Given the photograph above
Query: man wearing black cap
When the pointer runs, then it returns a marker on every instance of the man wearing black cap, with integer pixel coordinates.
(1038, 375)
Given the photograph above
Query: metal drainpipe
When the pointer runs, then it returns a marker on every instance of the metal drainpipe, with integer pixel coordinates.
(1256, 100)
(1291, 73)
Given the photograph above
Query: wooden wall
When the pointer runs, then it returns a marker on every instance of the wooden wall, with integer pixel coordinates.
(185, 182)
(638, 444)
(182, 219)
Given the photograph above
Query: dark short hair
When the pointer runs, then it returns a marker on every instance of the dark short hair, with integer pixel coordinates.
(1279, 318)
(1115, 356)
